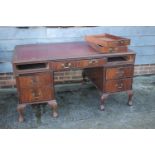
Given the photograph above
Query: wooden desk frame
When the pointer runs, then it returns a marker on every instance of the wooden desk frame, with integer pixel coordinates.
(111, 73)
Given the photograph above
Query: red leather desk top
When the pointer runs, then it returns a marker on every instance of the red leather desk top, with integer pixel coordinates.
(54, 51)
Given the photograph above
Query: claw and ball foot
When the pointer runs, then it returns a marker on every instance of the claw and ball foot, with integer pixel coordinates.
(130, 103)
(54, 106)
(102, 102)
(20, 109)
(130, 95)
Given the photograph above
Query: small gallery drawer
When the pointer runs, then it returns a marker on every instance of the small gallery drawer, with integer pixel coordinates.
(36, 95)
(118, 85)
(104, 49)
(64, 65)
(119, 72)
(91, 63)
(32, 80)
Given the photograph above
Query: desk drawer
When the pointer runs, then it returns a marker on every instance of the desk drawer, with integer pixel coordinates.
(64, 65)
(36, 94)
(119, 72)
(33, 80)
(104, 49)
(118, 85)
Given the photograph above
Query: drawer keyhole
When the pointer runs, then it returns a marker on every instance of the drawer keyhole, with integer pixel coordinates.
(34, 80)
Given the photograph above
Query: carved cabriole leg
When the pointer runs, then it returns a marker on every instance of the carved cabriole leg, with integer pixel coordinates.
(20, 109)
(54, 106)
(102, 102)
(130, 94)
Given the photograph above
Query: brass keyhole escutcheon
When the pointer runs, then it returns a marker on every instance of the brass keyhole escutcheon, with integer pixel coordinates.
(34, 80)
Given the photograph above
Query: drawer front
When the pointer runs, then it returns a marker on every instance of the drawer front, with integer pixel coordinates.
(118, 85)
(33, 80)
(64, 65)
(36, 94)
(104, 49)
(119, 72)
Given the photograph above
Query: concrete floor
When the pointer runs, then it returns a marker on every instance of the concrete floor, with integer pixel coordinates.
(78, 108)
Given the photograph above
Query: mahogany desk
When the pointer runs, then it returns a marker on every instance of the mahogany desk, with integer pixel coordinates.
(34, 67)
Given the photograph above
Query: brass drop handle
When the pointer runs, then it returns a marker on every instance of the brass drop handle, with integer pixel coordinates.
(99, 45)
(66, 65)
(35, 94)
(121, 42)
(126, 41)
(119, 86)
(93, 62)
(111, 49)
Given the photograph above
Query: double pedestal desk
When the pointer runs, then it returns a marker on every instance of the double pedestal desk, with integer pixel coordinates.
(34, 67)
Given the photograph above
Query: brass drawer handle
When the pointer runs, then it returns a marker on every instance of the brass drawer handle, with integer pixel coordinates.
(121, 42)
(119, 86)
(93, 62)
(126, 41)
(66, 65)
(36, 95)
(111, 49)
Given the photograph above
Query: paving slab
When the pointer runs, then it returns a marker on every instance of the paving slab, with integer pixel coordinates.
(79, 108)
